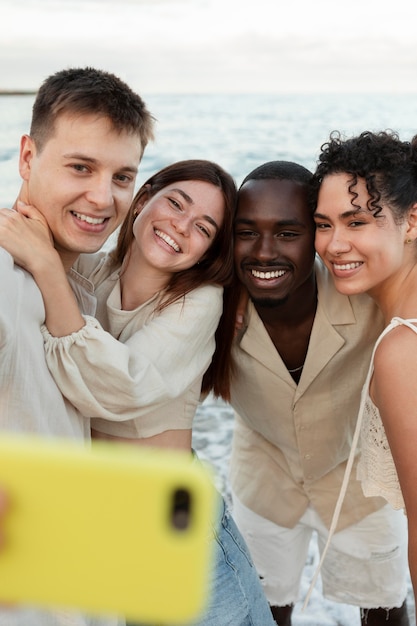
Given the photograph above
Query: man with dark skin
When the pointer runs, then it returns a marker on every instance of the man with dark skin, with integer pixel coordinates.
(301, 359)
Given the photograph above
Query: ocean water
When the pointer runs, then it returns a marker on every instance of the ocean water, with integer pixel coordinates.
(239, 132)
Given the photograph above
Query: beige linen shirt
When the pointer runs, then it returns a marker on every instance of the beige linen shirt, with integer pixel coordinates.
(291, 442)
(31, 402)
(144, 374)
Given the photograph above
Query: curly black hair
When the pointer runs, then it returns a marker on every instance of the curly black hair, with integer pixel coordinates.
(387, 164)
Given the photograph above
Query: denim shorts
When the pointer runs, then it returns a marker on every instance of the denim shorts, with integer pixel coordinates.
(236, 596)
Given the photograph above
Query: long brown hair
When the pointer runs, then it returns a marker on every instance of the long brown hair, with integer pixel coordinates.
(216, 267)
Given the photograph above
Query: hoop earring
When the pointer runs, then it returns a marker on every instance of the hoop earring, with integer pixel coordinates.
(409, 241)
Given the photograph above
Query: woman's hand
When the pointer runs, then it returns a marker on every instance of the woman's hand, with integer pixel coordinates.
(25, 234)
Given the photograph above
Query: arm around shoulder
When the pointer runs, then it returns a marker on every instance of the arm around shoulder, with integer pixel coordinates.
(106, 378)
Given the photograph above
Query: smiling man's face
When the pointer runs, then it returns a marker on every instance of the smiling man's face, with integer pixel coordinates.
(274, 239)
(82, 181)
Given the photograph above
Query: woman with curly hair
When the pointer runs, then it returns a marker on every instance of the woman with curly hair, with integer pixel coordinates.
(366, 233)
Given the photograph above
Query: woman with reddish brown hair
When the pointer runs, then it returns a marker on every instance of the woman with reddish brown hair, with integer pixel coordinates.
(137, 367)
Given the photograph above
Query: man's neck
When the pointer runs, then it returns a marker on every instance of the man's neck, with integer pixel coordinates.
(68, 259)
(289, 326)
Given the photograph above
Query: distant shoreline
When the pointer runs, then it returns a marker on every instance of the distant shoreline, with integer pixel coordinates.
(17, 92)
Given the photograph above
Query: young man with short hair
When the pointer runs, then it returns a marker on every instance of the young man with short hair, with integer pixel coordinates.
(78, 166)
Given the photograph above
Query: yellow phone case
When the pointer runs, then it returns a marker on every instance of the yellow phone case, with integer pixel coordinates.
(115, 529)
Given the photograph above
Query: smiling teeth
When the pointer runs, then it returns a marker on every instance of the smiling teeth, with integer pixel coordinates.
(267, 275)
(88, 219)
(168, 240)
(346, 266)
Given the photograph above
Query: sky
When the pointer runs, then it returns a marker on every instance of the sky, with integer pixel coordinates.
(215, 46)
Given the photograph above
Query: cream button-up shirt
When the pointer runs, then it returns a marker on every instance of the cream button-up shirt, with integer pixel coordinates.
(31, 402)
(291, 442)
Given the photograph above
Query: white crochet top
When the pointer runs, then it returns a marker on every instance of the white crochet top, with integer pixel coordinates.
(376, 469)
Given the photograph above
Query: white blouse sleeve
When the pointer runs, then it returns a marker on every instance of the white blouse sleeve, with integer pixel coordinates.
(103, 377)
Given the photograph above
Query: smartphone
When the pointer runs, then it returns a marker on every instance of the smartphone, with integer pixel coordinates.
(109, 529)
